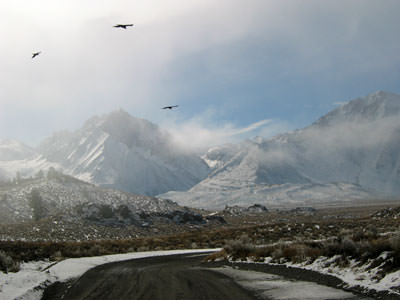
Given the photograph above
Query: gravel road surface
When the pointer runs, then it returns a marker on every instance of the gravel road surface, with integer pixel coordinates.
(164, 277)
(187, 277)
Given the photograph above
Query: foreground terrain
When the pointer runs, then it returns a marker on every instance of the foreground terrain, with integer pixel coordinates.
(365, 237)
(187, 277)
(34, 240)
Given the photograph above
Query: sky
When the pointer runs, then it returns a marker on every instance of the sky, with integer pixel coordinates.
(235, 68)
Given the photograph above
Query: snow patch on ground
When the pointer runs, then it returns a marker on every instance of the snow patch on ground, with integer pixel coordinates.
(276, 287)
(354, 275)
(29, 282)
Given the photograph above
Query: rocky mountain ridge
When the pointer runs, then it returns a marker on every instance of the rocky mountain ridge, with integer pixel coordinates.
(66, 198)
(351, 153)
(115, 150)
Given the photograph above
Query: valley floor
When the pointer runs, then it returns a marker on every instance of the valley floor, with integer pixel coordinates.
(363, 224)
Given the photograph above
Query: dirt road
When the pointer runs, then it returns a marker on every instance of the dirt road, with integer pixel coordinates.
(187, 277)
(166, 277)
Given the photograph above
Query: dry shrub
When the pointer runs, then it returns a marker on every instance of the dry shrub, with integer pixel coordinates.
(395, 242)
(297, 253)
(220, 255)
(263, 252)
(7, 264)
(345, 232)
(56, 256)
(369, 233)
(312, 253)
(240, 249)
(277, 254)
(95, 250)
(348, 247)
(289, 252)
(378, 246)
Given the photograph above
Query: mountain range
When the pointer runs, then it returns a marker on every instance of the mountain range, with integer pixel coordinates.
(352, 153)
(115, 150)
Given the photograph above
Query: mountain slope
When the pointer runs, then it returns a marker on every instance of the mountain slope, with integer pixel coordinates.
(16, 157)
(353, 152)
(61, 195)
(14, 150)
(123, 152)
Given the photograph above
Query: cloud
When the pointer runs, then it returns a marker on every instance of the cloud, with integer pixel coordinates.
(250, 128)
(189, 52)
(202, 132)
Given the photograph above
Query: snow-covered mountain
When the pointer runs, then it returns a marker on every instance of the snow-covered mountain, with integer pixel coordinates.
(126, 153)
(115, 150)
(16, 157)
(353, 152)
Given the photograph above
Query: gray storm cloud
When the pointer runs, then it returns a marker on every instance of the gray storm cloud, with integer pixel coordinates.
(88, 67)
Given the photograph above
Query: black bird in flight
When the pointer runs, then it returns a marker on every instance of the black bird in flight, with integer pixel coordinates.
(124, 26)
(36, 54)
(170, 107)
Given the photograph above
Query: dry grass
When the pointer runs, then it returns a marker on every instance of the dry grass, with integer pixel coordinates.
(291, 240)
(361, 248)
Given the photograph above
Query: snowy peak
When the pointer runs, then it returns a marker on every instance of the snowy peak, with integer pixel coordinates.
(353, 152)
(218, 156)
(375, 106)
(128, 130)
(119, 151)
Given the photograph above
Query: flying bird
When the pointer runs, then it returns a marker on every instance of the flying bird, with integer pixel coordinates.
(36, 54)
(124, 26)
(170, 107)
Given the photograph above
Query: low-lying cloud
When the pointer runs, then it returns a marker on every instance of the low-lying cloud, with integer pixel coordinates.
(204, 131)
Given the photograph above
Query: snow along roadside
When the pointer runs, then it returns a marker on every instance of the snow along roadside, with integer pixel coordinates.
(30, 281)
(354, 275)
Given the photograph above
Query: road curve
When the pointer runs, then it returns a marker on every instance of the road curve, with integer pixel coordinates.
(163, 277)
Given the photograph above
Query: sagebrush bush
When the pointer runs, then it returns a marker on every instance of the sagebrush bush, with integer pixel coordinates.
(395, 242)
(7, 264)
(346, 248)
(220, 255)
(239, 249)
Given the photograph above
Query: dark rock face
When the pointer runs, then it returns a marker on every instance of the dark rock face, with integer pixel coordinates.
(118, 216)
(184, 217)
(216, 219)
(257, 208)
(103, 214)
